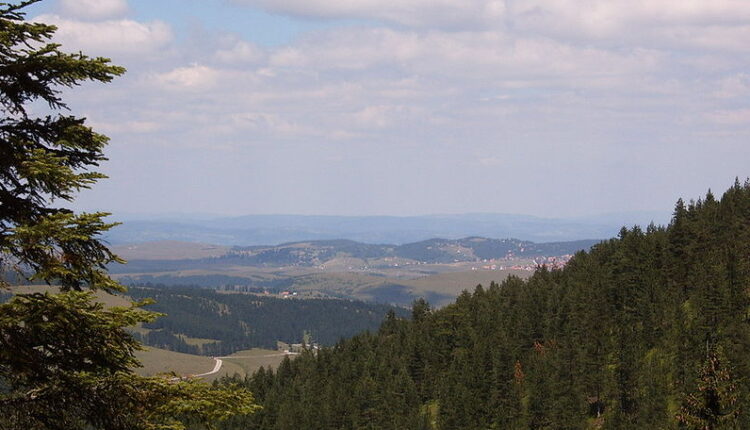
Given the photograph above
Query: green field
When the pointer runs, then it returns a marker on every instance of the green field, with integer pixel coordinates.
(251, 360)
(196, 341)
(157, 361)
(440, 284)
(452, 283)
(440, 288)
(168, 250)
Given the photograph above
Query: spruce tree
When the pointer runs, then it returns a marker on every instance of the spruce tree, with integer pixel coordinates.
(65, 361)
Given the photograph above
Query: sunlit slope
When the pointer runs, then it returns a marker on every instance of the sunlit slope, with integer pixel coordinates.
(157, 361)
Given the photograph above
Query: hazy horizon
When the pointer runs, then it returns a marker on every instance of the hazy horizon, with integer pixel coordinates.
(276, 229)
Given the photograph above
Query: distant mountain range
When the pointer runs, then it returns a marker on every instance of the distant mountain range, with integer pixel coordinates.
(276, 229)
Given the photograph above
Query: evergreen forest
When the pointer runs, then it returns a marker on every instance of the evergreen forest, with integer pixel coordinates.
(648, 330)
(241, 321)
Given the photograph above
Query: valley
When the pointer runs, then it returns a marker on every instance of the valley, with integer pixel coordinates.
(159, 361)
(226, 307)
(436, 269)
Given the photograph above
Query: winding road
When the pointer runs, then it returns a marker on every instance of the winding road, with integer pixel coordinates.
(220, 362)
(217, 367)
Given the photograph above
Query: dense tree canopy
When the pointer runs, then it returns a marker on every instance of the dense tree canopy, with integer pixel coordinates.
(65, 361)
(243, 321)
(646, 331)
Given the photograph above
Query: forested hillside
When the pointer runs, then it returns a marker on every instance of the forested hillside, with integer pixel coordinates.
(231, 322)
(646, 331)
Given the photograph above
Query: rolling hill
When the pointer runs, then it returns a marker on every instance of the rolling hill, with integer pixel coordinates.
(148, 258)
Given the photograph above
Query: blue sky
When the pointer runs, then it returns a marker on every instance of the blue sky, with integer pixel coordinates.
(261, 27)
(220, 16)
(544, 107)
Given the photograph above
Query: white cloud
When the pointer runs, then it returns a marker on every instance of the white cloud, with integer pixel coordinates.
(527, 86)
(730, 117)
(460, 55)
(266, 123)
(383, 116)
(664, 23)
(491, 161)
(595, 17)
(94, 9)
(697, 24)
(733, 86)
(239, 52)
(605, 16)
(110, 38)
(193, 77)
(708, 38)
(418, 13)
(136, 127)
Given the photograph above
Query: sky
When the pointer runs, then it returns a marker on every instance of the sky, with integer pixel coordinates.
(553, 108)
